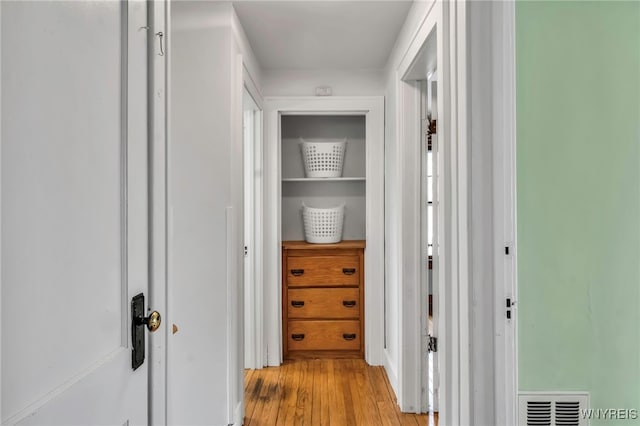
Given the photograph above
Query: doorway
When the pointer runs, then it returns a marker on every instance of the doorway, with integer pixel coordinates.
(429, 225)
(371, 111)
(253, 192)
(424, 209)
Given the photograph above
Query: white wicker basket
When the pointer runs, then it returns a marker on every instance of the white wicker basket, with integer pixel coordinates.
(323, 226)
(323, 158)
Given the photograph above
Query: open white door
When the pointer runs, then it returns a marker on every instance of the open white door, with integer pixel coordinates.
(74, 211)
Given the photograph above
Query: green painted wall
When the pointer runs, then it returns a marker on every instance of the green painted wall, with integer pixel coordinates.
(578, 160)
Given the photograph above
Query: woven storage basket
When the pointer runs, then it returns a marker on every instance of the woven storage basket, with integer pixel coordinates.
(323, 158)
(323, 226)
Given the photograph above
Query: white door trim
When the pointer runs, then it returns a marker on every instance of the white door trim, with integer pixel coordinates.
(158, 22)
(451, 257)
(235, 259)
(493, 223)
(254, 293)
(168, 212)
(373, 108)
(504, 208)
(249, 235)
(1, 275)
(411, 272)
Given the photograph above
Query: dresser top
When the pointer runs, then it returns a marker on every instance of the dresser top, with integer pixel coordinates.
(345, 244)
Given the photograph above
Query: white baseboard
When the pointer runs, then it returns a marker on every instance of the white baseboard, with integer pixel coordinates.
(238, 414)
(392, 372)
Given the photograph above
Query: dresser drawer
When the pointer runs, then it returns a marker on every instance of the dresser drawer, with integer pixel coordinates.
(323, 270)
(327, 303)
(323, 335)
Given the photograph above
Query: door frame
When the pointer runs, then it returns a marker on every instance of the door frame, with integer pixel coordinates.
(245, 74)
(373, 108)
(503, 106)
(492, 153)
(448, 257)
(255, 290)
(429, 361)
(470, 58)
(1, 274)
(158, 22)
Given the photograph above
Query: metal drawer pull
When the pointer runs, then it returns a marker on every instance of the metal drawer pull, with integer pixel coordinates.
(349, 303)
(348, 271)
(297, 272)
(298, 337)
(297, 303)
(347, 336)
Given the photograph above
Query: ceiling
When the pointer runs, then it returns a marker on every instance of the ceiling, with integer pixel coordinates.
(330, 34)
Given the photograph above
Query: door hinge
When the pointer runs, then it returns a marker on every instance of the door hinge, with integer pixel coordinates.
(509, 305)
(429, 126)
(425, 126)
(432, 344)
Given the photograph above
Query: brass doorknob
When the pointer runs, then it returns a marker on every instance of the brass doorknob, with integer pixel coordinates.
(152, 322)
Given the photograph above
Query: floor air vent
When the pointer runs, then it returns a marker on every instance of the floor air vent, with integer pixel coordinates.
(553, 409)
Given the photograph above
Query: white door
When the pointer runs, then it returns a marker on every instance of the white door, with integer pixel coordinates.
(74, 211)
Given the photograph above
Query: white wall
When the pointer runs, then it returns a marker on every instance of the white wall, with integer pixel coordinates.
(286, 82)
(198, 194)
(205, 203)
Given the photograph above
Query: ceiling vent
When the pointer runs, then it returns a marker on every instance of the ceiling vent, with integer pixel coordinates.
(553, 409)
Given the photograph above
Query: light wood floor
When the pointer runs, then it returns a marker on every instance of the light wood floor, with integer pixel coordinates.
(335, 392)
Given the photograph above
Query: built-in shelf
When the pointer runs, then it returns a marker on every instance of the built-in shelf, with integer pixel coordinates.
(336, 179)
(323, 192)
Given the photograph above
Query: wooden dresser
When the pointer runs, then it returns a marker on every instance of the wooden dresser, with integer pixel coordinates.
(323, 299)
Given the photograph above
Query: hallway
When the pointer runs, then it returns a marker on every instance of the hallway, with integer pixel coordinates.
(324, 392)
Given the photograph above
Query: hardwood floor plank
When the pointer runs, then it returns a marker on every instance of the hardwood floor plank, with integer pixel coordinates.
(323, 398)
(251, 398)
(324, 392)
(345, 389)
(365, 408)
(247, 378)
(388, 415)
(316, 392)
(337, 409)
(287, 412)
(408, 419)
(380, 384)
(304, 400)
(272, 410)
(266, 412)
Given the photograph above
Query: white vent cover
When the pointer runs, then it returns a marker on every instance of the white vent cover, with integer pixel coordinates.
(553, 408)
